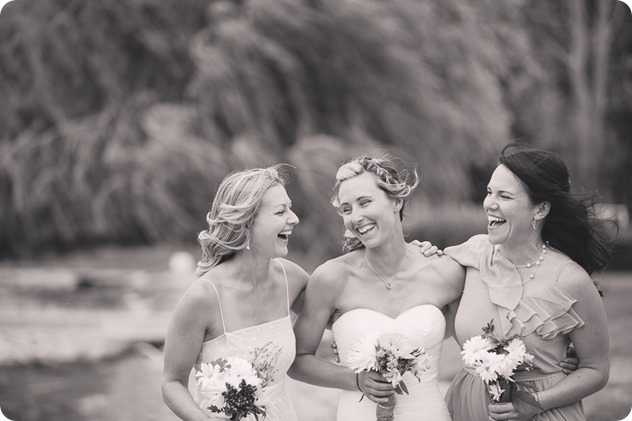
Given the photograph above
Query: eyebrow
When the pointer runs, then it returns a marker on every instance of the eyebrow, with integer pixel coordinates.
(503, 191)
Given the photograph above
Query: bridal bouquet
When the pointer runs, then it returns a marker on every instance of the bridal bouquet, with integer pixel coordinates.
(496, 361)
(230, 386)
(391, 355)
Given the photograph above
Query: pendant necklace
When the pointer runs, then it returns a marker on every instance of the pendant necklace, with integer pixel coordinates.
(387, 282)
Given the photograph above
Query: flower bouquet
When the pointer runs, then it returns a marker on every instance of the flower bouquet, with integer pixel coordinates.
(230, 386)
(496, 361)
(391, 355)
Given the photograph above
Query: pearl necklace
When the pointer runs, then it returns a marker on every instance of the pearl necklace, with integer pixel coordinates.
(537, 263)
(387, 282)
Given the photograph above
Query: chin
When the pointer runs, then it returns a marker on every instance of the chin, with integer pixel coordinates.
(282, 252)
(495, 239)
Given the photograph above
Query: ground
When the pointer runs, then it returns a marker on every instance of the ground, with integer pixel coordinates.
(80, 339)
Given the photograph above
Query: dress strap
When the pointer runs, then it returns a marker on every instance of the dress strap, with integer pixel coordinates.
(287, 288)
(219, 304)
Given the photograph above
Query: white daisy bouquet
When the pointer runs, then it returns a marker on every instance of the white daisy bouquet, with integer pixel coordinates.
(391, 355)
(230, 386)
(496, 361)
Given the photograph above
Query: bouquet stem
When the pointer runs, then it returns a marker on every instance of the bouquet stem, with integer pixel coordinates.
(386, 412)
(507, 387)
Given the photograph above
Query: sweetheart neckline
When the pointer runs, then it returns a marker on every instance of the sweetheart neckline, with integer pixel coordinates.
(385, 315)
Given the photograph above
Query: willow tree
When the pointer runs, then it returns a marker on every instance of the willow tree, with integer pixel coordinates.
(78, 81)
(313, 83)
(124, 116)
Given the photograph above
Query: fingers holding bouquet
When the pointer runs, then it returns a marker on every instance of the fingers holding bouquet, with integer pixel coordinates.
(511, 411)
(374, 386)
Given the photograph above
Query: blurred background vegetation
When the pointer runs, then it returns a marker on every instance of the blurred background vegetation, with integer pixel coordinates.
(118, 119)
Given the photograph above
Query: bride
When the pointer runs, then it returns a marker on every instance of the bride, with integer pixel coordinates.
(382, 285)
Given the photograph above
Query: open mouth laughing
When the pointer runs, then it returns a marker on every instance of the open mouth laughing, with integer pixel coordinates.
(494, 221)
(284, 235)
(365, 229)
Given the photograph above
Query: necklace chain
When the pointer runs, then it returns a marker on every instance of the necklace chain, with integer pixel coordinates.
(535, 264)
(387, 282)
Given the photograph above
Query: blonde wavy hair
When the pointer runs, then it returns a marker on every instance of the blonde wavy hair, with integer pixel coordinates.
(234, 208)
(397, 184)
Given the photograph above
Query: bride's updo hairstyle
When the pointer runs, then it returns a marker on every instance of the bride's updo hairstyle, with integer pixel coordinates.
(397, 184)
(234, 208)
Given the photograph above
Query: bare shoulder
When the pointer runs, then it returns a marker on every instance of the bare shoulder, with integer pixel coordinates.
(446, 267)
(196, 302)
(296, 275)
(331, 273)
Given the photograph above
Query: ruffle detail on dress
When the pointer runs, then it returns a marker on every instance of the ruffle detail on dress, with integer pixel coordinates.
(548, 314)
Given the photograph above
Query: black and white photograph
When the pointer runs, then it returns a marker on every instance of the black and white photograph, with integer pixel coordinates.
(315, 210)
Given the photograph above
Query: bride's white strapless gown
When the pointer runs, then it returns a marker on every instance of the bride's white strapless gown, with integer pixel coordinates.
(424, 325)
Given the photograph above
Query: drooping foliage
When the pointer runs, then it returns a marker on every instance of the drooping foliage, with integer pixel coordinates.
(119, 119)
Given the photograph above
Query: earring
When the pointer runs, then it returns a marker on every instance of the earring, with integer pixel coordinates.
(533, 223)
(248, 245)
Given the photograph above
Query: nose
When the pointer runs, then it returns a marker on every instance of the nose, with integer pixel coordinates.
(356, 215)
(489, 203)
(293, 218)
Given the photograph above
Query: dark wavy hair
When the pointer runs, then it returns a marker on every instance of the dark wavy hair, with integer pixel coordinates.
(572, 225)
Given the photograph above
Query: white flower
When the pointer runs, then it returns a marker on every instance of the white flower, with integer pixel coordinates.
(504, 366)
(362, 356)
(393, 376)
(238, 369)
(397, 344)
(422, 363)
(210, 379)
(518, 352)
(487, 369)
(476, 350)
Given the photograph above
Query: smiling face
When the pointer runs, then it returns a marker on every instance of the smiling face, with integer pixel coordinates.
(509, 209)
(367, 211)
(273, 223)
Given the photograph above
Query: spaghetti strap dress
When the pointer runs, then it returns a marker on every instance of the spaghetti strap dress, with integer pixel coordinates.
(274, 339)
(544, 316)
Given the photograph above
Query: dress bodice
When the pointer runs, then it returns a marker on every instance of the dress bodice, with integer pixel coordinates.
(273, 341)
(543, 316)
(424, 326)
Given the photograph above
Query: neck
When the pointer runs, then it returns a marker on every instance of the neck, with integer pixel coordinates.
(387, 258)
(521, 254)
(249, 268)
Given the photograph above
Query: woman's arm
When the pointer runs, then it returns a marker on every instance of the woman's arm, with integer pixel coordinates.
(449, 313)
(297, 282)
(183, 343)
(320, 303)
(591, 346)
(452, 278)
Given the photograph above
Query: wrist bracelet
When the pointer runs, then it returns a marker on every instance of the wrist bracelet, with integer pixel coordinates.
(358, 382)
